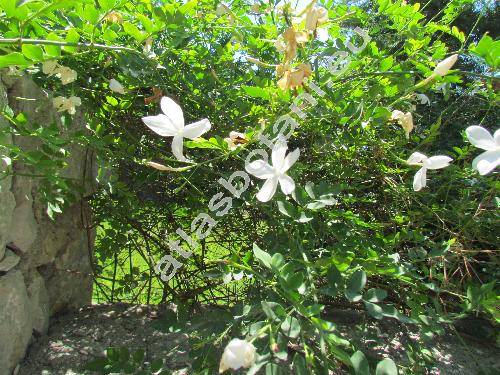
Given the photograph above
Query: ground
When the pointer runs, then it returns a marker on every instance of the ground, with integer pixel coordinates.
(75, 339)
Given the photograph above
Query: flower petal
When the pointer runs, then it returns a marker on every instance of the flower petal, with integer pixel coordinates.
(480, 137)
(420, 179)
(173, 111)
(290, 160)
(177, 146)
(278, 154)
(267, 190)
(496, 137)
(486, 162)
(161, 125)
(322, 35)
(196, 129)
(287, 184)
(260, 169)
(437, 162)
(416, 158)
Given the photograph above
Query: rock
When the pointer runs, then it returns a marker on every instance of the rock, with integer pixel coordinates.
(9, 261)
(53, 261)
(15, 321)
(23, 228)
(7, 201)
(39, 303)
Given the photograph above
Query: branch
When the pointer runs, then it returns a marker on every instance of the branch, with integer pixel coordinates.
(20, 41)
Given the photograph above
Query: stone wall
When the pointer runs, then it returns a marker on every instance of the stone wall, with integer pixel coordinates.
(45, 265)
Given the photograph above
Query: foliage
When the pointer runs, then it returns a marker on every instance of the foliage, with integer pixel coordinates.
(352, 235)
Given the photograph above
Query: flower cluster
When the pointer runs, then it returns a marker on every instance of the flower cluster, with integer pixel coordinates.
(305, 28)
(171, 123)
(65, 74)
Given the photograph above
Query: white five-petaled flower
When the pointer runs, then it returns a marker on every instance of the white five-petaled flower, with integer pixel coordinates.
(275, 173)
(171, 124)
(235, 140)
(116, 86)
(62, 104)
(65, 74)
(434, 162)
(482, 138)
(237, 354)
(405, 120)
(444, 66)
(424, 99)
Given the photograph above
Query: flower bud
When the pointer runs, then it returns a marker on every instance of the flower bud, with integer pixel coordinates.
(237, 354)
(444, 66)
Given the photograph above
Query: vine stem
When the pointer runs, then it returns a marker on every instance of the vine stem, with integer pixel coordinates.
(21, 41)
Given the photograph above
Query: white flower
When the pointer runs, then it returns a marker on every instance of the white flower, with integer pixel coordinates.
(275, 173)
(322, 35)
(233, 276)
(66, 104)
(222, 9)
(237, 354)
(171, 124)
(444, 66)
(116, 86)
(424, 99)
(481, 138)
(49, 67)
(65, 74)
(315, 16)
(235, 140)
(405, 120)
(280, 44)
(434, 162)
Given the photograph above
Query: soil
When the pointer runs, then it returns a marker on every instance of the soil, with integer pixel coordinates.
(75, 339)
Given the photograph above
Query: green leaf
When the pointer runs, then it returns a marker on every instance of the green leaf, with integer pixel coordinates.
(256, 92)
(374, 310)
(72, 36)
(299, 365)
(488, 49)
(360, 363)
(107, 4)
(273, 310)
(156, 365)
(273, 369)
(295, 281)
(261, 255)
(375, 295)
(51, 50)
(356, 284)
(13, 58)
(386, 63)
(189, 7)
(287, 209)
(291, 327)
(97, 364)
(138, 356)
(113, 354)
(211, 143)
(32, 52)
(134, 31)
(386, 367)
(277, 261)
